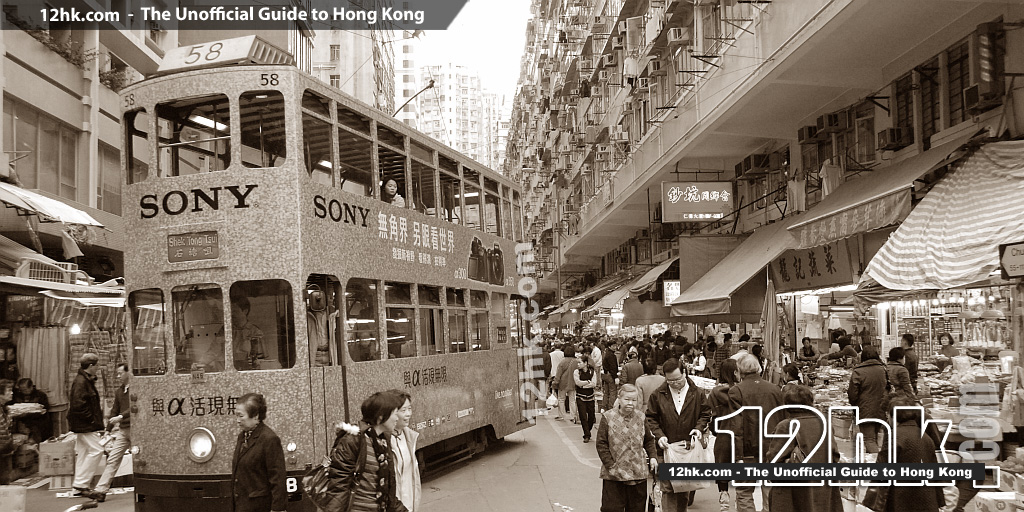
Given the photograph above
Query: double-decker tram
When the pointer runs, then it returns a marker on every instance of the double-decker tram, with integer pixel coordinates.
(289, 240)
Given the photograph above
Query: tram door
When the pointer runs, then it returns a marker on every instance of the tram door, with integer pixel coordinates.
(529, 364)
(326, 375)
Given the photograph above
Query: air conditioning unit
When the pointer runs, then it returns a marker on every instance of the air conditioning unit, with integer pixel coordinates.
(604, 148)
(678, 35)
(595, 90)
(807, 135)
(976, 102)
(756, 164)
(895, 138)
(617, 43)
(617, 134)
(643, 84)
(574, 92)
(601, 25)
(833, 123)
(608, 60)
(603, 75)
(654, 68)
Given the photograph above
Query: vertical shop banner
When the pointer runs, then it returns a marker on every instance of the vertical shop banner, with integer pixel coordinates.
(690, 201)
(815, 267)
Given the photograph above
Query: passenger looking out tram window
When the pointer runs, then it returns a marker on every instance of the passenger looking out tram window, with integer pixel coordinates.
(246, 338)
(389, 193)
(262, 325)
(361, 320)
(198, 328)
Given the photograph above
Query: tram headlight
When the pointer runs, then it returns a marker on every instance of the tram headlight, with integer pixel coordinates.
(201, 444)
(136, 450)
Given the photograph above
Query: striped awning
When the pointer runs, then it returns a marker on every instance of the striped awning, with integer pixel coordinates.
(578, 300)
(952, 237)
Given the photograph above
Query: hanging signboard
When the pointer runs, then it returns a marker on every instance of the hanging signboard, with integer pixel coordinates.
(821, 266)
(695, 201)
(1011, 260)
(671, 290)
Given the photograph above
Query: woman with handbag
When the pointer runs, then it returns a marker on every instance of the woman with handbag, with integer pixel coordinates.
(361, 472)
(814, 497)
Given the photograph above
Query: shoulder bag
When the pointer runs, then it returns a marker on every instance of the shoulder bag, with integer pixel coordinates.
(316, 483)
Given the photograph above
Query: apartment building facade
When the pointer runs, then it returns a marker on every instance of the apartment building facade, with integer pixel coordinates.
(459, 112)
(781, 101)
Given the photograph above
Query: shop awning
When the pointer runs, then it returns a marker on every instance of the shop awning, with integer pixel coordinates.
(63, 287)
(648, 281)
(578, 300)
(741, 275)
(613, 297)
(879, 198)
(48, 210)
(952, 237)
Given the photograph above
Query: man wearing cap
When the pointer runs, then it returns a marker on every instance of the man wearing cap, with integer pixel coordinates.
(85, 418)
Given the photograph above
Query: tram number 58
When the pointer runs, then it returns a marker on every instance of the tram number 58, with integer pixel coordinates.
(212, 53)
(269, 79)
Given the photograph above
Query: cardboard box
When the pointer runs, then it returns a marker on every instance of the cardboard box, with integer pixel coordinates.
(12, 498)
(995, 501)
(57, 457)
(61, 482)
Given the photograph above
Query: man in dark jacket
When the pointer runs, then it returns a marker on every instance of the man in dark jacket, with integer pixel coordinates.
(868, 393)
(899, 377)
(85, 418)
(676, 411)
(752, 391)
(610, 365)
(911, 358)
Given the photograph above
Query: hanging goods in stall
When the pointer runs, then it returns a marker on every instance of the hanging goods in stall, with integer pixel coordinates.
(1012, 407)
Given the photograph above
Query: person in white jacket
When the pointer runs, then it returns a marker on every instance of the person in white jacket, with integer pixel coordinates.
(403, 446)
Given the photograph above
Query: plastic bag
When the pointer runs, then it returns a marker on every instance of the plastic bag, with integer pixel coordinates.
(552, 400)
(699, 454)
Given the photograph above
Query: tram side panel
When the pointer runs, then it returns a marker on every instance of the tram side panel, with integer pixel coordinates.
(348, 236)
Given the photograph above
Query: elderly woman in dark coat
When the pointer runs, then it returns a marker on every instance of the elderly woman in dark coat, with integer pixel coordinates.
(362, 472)
(814, 497)
(911, 447)
(257, 469)
(867, 392)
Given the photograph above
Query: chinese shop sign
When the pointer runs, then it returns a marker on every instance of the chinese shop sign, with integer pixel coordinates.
(695, 201)
(672, 290)
(817, 267)
(1011, 260)
(861, 218)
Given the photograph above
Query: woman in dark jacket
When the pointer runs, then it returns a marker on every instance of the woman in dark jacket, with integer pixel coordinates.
(721, 406)
(867, 391)
(257, 468)
(914, 448)
(814, 497)
(362, 472)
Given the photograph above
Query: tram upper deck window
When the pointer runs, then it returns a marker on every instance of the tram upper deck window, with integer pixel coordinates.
(137, 149)
(517, 217)
(390, 137)
(392, 177)
(353, 120)
(506, 218)
(194, 135)
(198, 328)
(361, 319)
(471, 186)
(317, 147)
(355, 162)
(262, 330)
(264, 141)
(491, 208)
(451, 194)
(423, 188)
(422, 152)
(149, 333)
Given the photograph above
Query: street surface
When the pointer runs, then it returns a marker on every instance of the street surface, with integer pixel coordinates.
(545, 467)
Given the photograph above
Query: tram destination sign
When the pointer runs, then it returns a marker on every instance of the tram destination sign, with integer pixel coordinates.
(201, 245)
(695, 201)
(1011, 260)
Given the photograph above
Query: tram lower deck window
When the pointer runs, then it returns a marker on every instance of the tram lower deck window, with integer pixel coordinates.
(149, 333)
(194, 135)
(262, 329)
(198, 328)
(361, 319)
